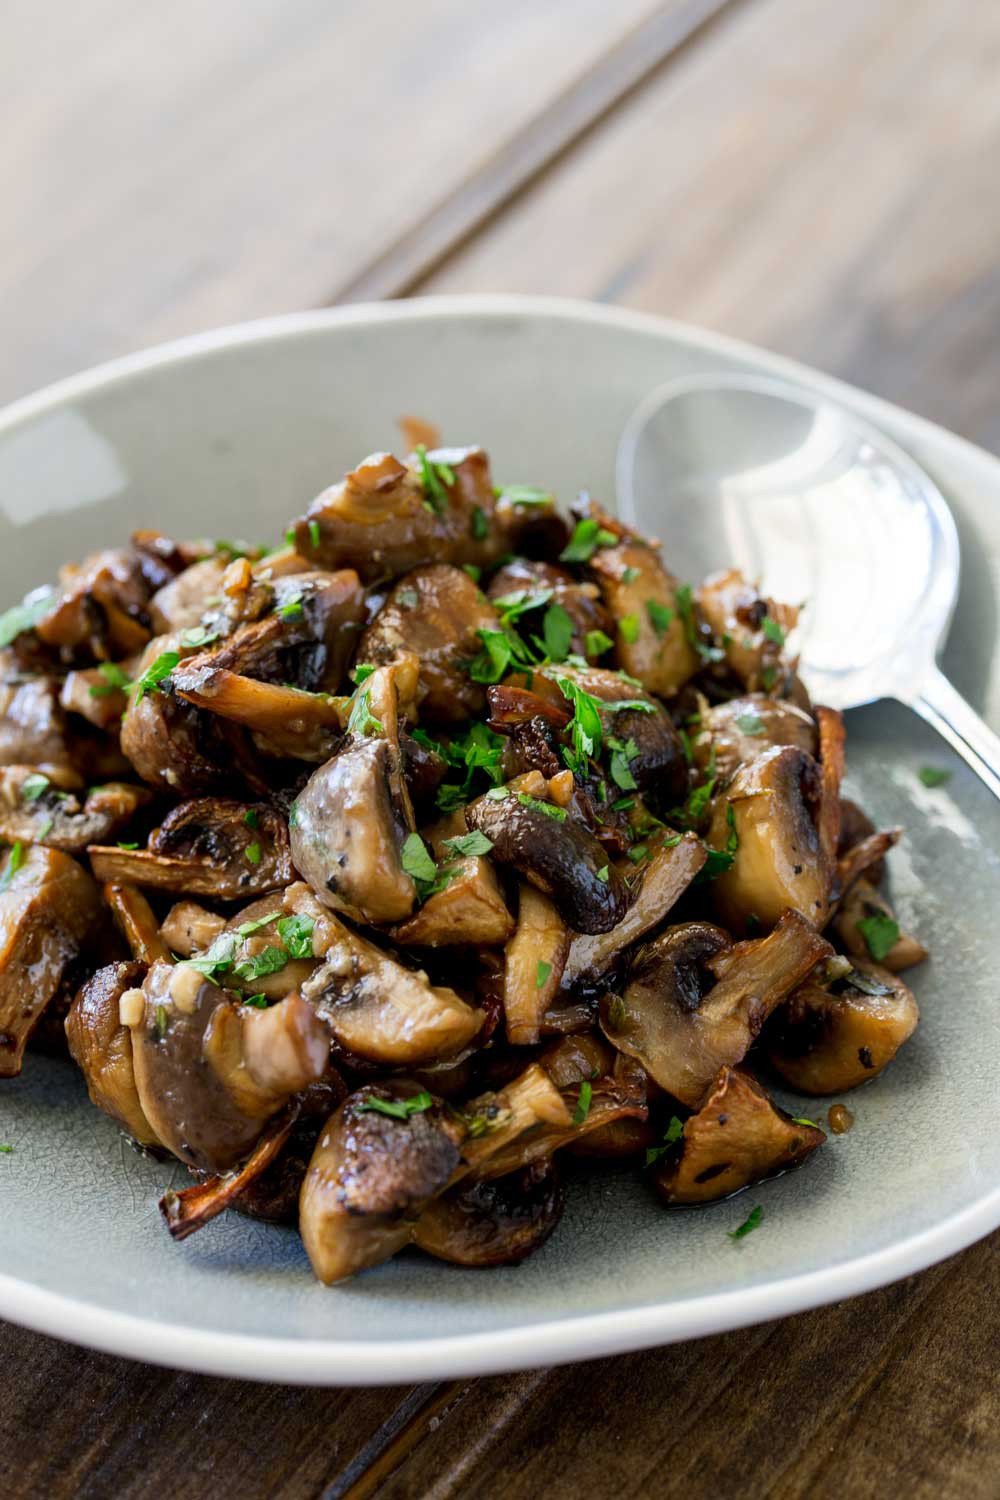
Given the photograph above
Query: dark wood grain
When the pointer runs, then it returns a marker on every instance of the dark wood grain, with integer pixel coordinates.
(819, 178)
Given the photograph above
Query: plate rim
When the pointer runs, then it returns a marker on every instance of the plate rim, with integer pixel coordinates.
(551, 1339)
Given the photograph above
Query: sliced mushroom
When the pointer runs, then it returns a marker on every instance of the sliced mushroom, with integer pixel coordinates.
(381, 521)
(738, 1136)
(864, 905)
(552, 848)
(682, 1034)
(435, 611)
(735, 614)
(376, 1008)
(661, 883)
(533, 965)
(210, 1073)
(50, 910)
(829, 1037)
(732, 734)
(174, 747)
(136, 922)
(95, 696)
(102, 1047)
(37, 810)
(651, 642)
(522, 580)
(779, 861)
(492, 1223)
(32, 723)
(469, 910)
(209, 846)
(189, 928)
(286, 721)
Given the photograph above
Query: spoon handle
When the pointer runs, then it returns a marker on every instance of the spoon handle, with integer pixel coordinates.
(947, 712)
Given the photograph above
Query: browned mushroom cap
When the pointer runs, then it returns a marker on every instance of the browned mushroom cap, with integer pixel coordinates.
(470, 909)
(533, 965)
(382, 521)
(661, 883)
(434, 611)
(100, 607)
(102, 1048)
(50, 909)
(371, 1175)
(494, 1223)
(651, 641)
(208, 1072)
(829, 1037)
(738, 1136)
(540, 585)
(683, 1035)
(864, 910)
(36, 809)
(32, 723)
(778, 861)
(550, 847)
(733, 733)
(174, 747)
(180, 604)
(735, 613)
(209, 846)
(376, 1008)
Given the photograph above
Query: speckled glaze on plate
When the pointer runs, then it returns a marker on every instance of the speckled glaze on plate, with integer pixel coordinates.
(234, 432)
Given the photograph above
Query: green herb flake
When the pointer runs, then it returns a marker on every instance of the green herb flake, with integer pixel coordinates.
(290, 536)
(479, 526)
(246, 928)
(34, 786)
(557, 632)
(128, 847)
(115, 681)
(161, 1021)
(470, 844)
(623, 804)
(750, 1223)
(196, 636)
(313, 529)
(474, 572)
(537, 805)
(292, 609)
(542, 972)
(597, 643)
(932, 776)
(26, 615)
(270, 961)
(629, 575)
(671, 1135)
(252, 818)
(583, 1102)
(408, 598)
(416, 859)
(660, 616)
(685, 608)
(773, 631)
(362, 672)
(398, 1109)
(258, 1001)
(252, 852)
(751, 724)
(362, 722)
(15, 860)
(587, 536)
(155, 676)
(296, 934)
(880, 933)
(617, 1014)
(524, 494)
(603, 874)
(638, 853)
(628, 627)
(497, 794)
(801, 1120)
(6, 1150)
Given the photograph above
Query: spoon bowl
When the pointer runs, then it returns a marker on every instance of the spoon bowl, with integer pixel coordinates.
(821, 508)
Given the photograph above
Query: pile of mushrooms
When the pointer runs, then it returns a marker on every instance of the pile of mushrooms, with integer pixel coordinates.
(368, 874)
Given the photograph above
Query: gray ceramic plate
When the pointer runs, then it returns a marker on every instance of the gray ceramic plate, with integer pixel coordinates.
(234, 432)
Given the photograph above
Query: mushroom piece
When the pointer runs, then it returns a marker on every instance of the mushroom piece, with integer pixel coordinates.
(209, 846)
(436, 611)
(831, 1036)
(194, 1207)
(682, 1030)
(866, 925)
(99, 697)
(666, 877)
(533, 965)
(385, 518)
(738, 1136)
(50, 910)
(778, 861)
(210, 1073)
(189, 928)
(651, 642)
(99, 609)
(736, 615)
(174, 747)
(35, 809)
(180, 604)
(375, 1007)
(551, 848)
(469, 910)
(542, 585)
(135, 920)
(498, 1222)
(101, 1046)
(732, 734)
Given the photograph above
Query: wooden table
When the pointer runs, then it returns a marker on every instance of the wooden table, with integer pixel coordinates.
(821, 178)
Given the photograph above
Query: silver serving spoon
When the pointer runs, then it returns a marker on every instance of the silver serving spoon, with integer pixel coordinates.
(819, 506)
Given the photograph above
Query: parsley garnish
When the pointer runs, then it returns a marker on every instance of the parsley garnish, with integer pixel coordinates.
(602, 874)
(469, 844)
(313, 528)
(501, 649)
(258, 1001)
(519, 602)
(750, 724)
(478, 750)
(161, 1021)
(6, 1150)
(932, 776)
(721, 859)
(252, 852)
(197, 635)
(408, 598)
(256, 966)
(34, 786)
(537, 805)
(497, 794)
(115, 680)
(246, 928)
(801, 1120)
(751, 1221)
(557, 632)
(296, 933)
(628, 625)
(597, 643)
(673, 1133)
(621, 755)
(155, 675)
(474, 572)
(398, 1109)
(416, 859)
(629, 575)
(292, 609)
(542, 972)
(362, 721)
(587, 536)
(685, 608)
(617, 1014)
(773, 631)
(479, 526)
(26, 615)
(434, 476)
(523, 494)
(659, 616)
(880, 933)
(14, 862)
(583, 1103)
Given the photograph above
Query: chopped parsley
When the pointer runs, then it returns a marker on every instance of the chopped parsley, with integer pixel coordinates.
(252, 818)
(6, 1150)
(479, 526)
(246, 928)
(313, 529)
(292, 609)
(497, 794)
(478, 750)
(751, 724)
(296, 934)
(474, 572)
(583, 1102)
(258, 1001)
(721, 859)
(773, 631)
(115, 680)
(161, 1021)
(469, 844)
(26, 615)
(517, 603)
(45, 830)
(500, 650)
(195, 636)
(880, 933)
(587, 536)
(932, 776)
(602, 874)
(34, 786)
(523, 494)
(628, 626)
(362, 672)
(557, 632)
(620, 769)
(435, 478)
(362, 721)
(685, 608)
(638, 853)
(629, 575)
(408, 598)
(252, 852)
(416, 860)
(751, 1222)
(660, 616)
(597, 643)
(801, 1120)
(542, 972)
(14, 862)
(255, 966)
(537, 805)
(127, 847)
(154, 678)
(398, 1109)
(673, 1133)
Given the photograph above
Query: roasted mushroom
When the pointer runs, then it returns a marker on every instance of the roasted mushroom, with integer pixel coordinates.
(738, 1136)
(102, 1047)
(470, 909)
(832, 1034)
(731, 734)
(533, 965)
(752, 631)
(549, 600)
(50, 910)
(36, 808)
(866, 925)
(681, 1028)
(492, 1223)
